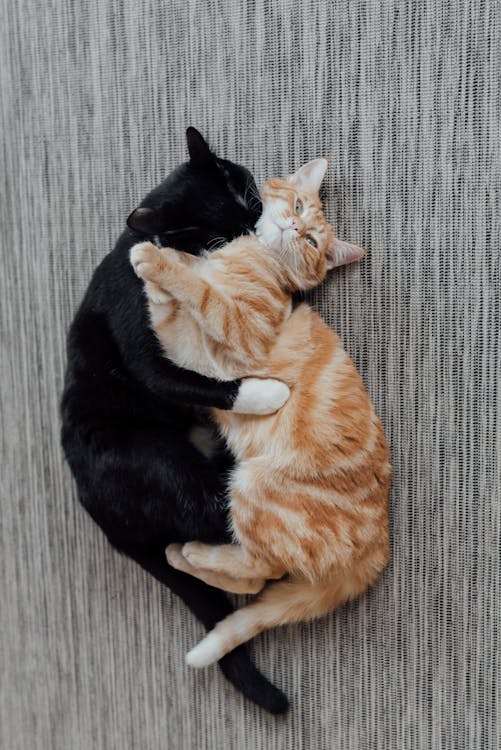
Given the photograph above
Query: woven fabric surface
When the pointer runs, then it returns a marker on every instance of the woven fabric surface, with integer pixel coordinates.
(405, 98)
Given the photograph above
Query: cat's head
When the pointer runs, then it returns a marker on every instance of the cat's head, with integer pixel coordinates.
(205, 202)
(294, 227)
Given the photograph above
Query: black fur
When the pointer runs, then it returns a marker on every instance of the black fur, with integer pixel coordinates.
(126, 410)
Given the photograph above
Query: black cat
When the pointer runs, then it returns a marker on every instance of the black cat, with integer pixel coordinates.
(127, 411)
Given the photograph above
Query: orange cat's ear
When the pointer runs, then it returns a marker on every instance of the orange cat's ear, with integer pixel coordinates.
(342, 253)
(309, 177)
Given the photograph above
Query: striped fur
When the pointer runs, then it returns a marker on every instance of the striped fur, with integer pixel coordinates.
(309, 492)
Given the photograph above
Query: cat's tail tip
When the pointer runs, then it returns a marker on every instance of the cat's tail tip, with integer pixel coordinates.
(242, 673)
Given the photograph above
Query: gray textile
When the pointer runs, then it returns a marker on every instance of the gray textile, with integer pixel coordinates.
(404, 95)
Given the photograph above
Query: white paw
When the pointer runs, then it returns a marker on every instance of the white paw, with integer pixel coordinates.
(260, 396)
(143, 258)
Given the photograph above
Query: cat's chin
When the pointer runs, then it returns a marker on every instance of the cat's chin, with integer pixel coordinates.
(274, 247)
(272, 243)
(269, 234)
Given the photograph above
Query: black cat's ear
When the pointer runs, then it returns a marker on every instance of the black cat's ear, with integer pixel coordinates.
(143, 220)
(199, 151)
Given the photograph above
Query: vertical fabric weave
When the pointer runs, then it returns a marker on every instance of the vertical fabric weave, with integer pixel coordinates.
(405, 98)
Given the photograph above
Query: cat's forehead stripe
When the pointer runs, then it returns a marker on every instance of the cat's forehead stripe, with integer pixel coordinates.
(284, 190)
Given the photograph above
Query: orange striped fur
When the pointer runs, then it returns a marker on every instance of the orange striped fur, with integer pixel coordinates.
(308, 494)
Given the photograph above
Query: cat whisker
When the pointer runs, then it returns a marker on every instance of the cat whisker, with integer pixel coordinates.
(253, 203)
(251, 195)
(216, 242)
(250, 187)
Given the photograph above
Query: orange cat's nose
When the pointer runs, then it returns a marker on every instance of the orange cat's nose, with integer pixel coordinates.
(297, 224)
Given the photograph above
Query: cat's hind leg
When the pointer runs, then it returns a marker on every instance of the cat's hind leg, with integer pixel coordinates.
(229, 559)
(219, 580)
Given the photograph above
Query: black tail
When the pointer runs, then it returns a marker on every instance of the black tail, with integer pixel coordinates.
(210, 605)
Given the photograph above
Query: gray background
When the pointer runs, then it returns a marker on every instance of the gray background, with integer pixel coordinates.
(404, 96)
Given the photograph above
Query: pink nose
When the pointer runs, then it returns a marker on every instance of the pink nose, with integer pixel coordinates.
(296, 225)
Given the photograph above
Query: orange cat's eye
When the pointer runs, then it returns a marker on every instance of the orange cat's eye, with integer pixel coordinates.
(299, 205)
(311, 240)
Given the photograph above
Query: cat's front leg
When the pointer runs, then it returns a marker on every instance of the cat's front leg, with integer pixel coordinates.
(162, 306)
(166, 272)
(151, 263)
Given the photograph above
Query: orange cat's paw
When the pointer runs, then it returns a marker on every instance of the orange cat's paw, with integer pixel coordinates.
(195, 553)
(175, 556)
(146, 260)
(252, 585)
(239, 585)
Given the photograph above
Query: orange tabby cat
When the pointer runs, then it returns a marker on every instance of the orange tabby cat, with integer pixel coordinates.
(308, 494)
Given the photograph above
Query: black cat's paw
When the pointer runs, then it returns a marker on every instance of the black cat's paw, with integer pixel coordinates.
(260, 396)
